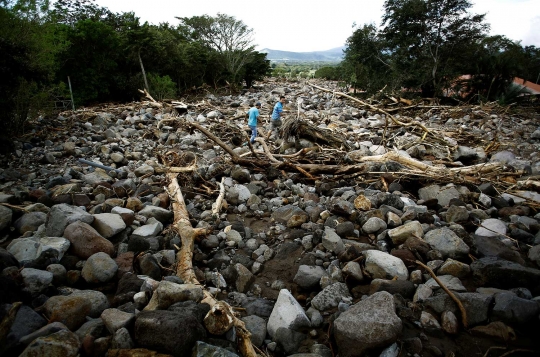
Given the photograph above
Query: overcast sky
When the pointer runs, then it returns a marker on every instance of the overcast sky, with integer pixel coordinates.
(306, 25)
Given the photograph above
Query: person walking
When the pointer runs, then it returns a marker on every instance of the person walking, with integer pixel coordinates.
(253, 117)
(276, 113)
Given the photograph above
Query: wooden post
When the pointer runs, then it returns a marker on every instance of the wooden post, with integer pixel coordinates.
(71, 92)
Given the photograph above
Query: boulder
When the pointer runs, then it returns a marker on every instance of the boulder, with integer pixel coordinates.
(371, 323)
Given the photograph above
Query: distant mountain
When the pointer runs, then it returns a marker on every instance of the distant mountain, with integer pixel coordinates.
(332, 55)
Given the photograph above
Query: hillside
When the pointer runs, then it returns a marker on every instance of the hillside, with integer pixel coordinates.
(332, 55)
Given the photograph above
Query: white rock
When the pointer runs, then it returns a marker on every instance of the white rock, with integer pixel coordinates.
(287, 313)
(382, 265)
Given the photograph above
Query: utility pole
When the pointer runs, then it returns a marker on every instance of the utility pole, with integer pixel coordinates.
(71, 92)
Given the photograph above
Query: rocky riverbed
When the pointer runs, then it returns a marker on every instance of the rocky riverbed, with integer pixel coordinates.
(315, 265)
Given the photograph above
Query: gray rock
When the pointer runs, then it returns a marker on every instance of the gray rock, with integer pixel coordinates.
(168, 293)
(354, 271)
(447, 242)
(455, 268)
(503, 157)
(308, 276)
(244, 278)
(287, 313)
(115, 319)
(26, 322)
(202, 349)
(257, 327)
(443, 194)
(121, 340)
(6, 215)
(62, 343)
(35, 281)
(476, 305)
(369, 324)
(499, 273)
(28, 250)
(534, 254)
(451, 282)
(382, 265)
(494, 247)
(159, 330)
(61, 216)
(465, 153)
(493, 228)
(288, 340)
(449, 322)
(144, 169)
(99, 268)
(400, 234)
(290, 215)
(332, 241)
(108, 224)
(148, 230)
(161, 214)
(374, 224)
(457, 214)
(30, 222)
(512, 309)
(428, 321)
(44, 331)
(403, 287)
(422, 293)
(330, 296)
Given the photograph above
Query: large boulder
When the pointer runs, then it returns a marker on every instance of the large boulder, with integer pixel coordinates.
(369, 324)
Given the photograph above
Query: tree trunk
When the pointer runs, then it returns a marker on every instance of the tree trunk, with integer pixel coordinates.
(143, 72)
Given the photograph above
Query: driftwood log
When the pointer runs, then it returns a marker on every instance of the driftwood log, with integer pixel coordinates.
(221, 317)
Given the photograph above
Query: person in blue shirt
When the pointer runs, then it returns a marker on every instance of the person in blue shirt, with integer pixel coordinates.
(276, 113)
(253, 116)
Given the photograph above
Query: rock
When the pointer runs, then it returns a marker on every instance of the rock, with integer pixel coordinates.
(35, 252)
(499, 273)
(494, 247)
(332, 241)
(86, 241)
(121, 339)
(455, 268)
(373, 225)
(62, 343)
(115, 319)
(99, 268)
(290, 213)
(428, 321)
(457, 214)
(160, 330)
(476, 305)
(451, 282)
(382, 265)
(362, 203)
(308, 277)
(400, 234)
(353, 270)
(44, 331)
(288, 340)
(422, 293)
(30, 222)
(61, 216)
(169, 293)
(447, 242)
(534, 254)
(257, 327)
(442, 194)
(491, 227)
(330, 296)
(6, 216)
(26, 322)
(287, 313)
(244, 278)
(143, 170)
(512, 309)
(35, 280)
(449, 322)
(369, 324)
(403, 287)
(202, 349)
(108, 224)
(161, 214)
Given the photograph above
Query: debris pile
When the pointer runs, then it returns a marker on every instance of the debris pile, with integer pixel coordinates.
(375, 227)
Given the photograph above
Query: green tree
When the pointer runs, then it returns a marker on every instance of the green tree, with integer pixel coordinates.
(426, 39)
(256, 69)
(229, 37)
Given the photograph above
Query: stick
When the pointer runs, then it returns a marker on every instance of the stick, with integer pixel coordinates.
(451, 294)
(185, 271)
(219, 201)
(388, 115)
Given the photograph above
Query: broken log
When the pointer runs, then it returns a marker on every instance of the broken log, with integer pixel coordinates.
(185, 271)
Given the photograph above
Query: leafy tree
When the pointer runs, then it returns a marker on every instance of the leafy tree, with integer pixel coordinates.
(365, 62)
(327, 72)
(426, 38)
(231, 38)
(256, 69)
